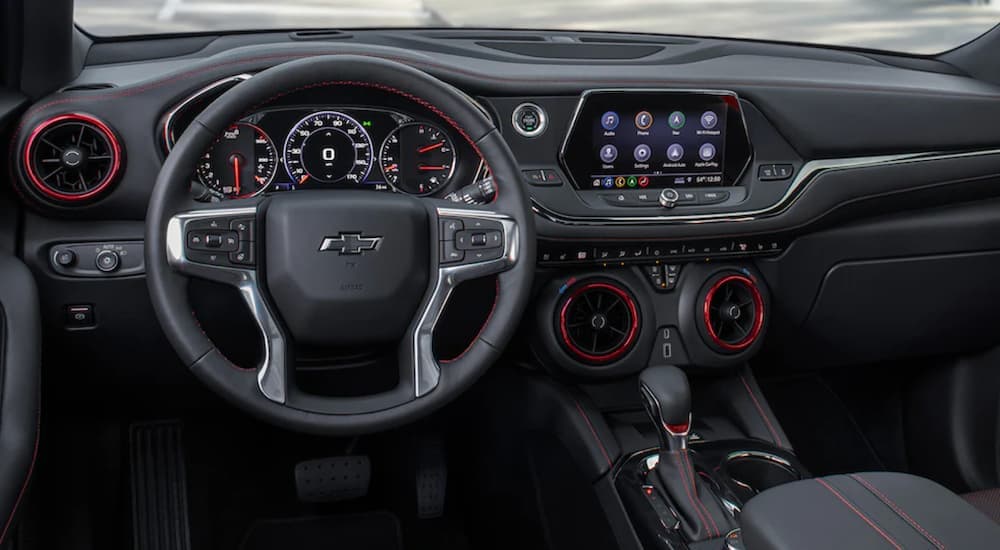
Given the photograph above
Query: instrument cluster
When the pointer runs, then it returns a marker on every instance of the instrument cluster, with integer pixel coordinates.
(288, 148)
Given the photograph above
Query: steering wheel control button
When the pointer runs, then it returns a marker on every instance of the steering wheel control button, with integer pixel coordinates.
(529, 120)
(474, 256)
(244, 228)
(669, 198)
(107, 261)
(450, 227)
(244, 255)
(80, 316)
(450, 254)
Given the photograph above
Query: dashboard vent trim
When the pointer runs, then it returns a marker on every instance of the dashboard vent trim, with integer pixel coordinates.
(733, 313)
(598, 322)
(72, 157)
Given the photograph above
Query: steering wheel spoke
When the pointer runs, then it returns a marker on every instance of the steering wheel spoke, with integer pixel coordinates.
(471, 243)
(221, 245)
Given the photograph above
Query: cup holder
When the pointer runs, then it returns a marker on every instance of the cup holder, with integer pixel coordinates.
(756, 471)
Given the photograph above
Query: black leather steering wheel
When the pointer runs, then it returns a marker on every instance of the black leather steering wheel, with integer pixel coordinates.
(339, 267)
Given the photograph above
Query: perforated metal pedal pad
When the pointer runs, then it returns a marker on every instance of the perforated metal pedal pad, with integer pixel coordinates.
(333, 478)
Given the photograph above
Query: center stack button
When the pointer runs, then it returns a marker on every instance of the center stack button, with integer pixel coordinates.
(669, 198)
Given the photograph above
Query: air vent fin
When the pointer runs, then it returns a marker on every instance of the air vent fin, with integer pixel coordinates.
(598, 322)
(733, 313)
(71, 157)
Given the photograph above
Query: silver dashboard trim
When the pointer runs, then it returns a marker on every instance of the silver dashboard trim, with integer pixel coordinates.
(169, 139)
(807, 173)
(271, 371)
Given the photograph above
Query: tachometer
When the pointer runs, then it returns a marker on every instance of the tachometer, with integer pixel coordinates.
(241, 164)
(417, 158)
(328, 147)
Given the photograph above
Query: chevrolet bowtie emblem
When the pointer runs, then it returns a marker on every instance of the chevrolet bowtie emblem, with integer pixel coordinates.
(350, 243)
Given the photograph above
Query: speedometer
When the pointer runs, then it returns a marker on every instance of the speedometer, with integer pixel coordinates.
(328, 147)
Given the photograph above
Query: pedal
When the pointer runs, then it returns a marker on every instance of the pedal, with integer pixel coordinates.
(333, 479)
(159, 486)
(432, 480)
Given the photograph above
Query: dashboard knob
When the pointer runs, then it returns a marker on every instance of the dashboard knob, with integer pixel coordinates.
(107, 261)
(669, 197)
(65, 257)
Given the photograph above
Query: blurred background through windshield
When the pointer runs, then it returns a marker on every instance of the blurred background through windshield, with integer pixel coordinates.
(914, 26)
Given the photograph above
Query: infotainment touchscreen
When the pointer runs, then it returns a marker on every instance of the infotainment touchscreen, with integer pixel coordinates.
(656, 139)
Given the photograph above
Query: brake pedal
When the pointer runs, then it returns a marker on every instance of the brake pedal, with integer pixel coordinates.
(159, 486)
(333, 479)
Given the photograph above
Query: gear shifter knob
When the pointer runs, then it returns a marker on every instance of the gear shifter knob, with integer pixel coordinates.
(667, 398)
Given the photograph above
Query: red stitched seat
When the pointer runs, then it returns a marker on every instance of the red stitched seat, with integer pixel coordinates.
(987, 502)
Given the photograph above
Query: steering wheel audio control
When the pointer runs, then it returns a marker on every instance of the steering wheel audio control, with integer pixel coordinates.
(220, 241)
(470, 241)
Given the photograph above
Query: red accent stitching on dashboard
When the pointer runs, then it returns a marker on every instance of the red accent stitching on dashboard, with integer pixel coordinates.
(860, 514)
(899, 511)
(27, 477)
(593, 432)
(496, 298)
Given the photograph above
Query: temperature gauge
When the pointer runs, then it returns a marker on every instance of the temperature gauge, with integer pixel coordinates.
(417, 158)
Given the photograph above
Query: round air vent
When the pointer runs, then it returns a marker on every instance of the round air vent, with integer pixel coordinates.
(72, 157)
(733, 313)
(598, 322)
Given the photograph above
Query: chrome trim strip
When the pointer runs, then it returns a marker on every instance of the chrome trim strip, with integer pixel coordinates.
(169, 139)
(418, 347)
(807, 173)
(271, 372)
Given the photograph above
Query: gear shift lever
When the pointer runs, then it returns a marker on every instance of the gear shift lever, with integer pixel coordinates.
(667, 397)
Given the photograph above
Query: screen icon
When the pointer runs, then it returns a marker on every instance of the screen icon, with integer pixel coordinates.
(632, 181)
(620, 182)
(709, 119)
(609, 153)
(609, 120)
(642, 152)
(643, 120)
(677, 120)
(643, 181)
(675, 152)
(706, 152)
(608, 182)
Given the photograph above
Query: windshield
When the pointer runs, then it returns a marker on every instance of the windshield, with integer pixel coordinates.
(911, 26)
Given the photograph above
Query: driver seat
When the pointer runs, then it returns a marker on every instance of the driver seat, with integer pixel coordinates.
(20, 347)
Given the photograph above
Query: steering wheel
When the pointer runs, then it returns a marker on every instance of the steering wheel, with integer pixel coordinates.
(339, 267)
